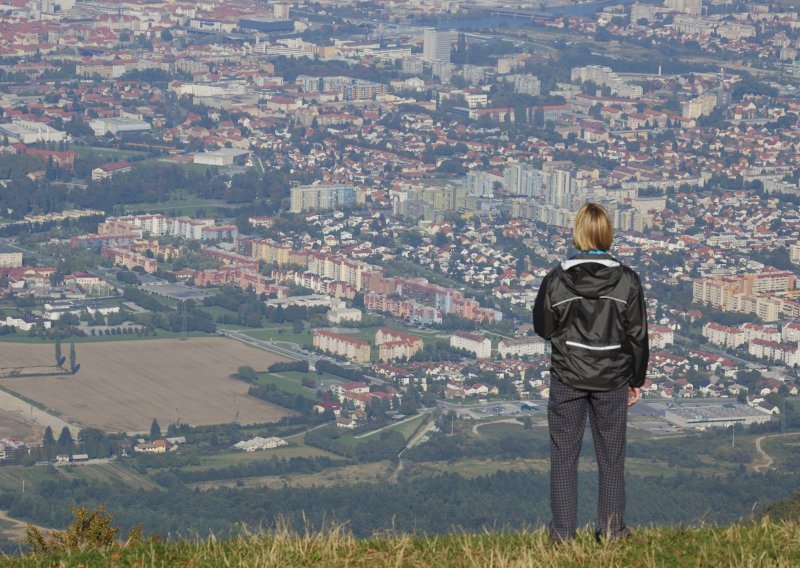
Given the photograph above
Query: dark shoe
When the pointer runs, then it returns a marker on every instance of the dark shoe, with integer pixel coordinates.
(622, 534)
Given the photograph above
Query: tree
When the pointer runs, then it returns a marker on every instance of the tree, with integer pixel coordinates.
(48, 439)
(65, 440)
(59, 358)
(73, 362)
(94, 443)
(155, 429)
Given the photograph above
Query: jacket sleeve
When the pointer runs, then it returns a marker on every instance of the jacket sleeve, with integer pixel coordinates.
(637, 333)
(544, 321)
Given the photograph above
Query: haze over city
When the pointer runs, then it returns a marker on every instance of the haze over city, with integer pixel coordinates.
(274, 262)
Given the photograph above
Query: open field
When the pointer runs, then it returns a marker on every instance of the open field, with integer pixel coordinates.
(287, 384)
(350, 474)
(233, 458)
(107, 153)
(12, 424)
(178, 203)
(292, 381)
(98, 471)
(283, 333)
(123, 385)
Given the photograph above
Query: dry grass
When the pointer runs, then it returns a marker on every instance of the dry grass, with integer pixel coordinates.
(123, 385)
(765, 544)
(14, 424)
(350, 474)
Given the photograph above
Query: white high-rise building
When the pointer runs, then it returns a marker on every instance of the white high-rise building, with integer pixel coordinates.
(691, 7)
(523, 179)
(437, 45)
(482, 183)
(321, 197)
(559, 188)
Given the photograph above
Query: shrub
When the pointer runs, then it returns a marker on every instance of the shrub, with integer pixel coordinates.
(90, 530)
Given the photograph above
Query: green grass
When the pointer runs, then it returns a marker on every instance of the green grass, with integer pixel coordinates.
(275, 334)
(350, 441)
(226, 459)
(298, 376)
(11, 476)
(216, 311)
(178, 204)
(287, 384)
(408, 428)
(340, 475)
(107, 153)
(782, 448)
(761, 544)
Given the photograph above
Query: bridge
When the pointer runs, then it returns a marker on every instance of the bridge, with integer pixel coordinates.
(511, 13)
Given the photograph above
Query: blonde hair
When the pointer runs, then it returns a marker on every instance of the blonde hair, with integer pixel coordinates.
(592, 228)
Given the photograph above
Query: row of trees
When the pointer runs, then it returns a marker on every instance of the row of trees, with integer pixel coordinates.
(74, 366)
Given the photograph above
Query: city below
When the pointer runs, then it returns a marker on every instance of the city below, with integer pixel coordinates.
(269, 245)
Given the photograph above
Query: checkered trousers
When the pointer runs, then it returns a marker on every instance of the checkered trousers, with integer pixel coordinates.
(566, 415)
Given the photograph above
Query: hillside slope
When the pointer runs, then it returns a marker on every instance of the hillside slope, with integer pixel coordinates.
(763, 543)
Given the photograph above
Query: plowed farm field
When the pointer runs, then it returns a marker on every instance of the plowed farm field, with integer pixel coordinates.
(122, 385)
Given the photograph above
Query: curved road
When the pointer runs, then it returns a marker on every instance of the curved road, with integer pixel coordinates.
(17, 529)
(503, 421)
(766, 459)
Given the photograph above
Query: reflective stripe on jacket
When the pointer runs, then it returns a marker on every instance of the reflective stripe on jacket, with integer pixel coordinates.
(592, 309)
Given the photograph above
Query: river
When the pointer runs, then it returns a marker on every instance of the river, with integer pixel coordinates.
(479, 23)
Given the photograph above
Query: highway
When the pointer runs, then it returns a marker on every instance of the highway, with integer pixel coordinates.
(270, 346)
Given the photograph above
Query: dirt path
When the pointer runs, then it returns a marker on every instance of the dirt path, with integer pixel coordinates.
(766, 459)
(30, 413)
(382, 428)
(503, 421)
(17, 530)
(429, 426)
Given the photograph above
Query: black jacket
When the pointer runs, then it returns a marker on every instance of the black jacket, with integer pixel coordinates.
(592, 309)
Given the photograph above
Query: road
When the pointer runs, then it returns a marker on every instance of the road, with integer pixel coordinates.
(268, 346)
(766, 459)
(18, 528)
(429, 426)
(296, 354)
(391, 425)
(503, 421)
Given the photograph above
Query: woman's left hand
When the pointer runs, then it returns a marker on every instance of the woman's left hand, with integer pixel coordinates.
(634, 394)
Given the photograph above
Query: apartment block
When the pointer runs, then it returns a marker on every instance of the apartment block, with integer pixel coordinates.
(321, 197)
(724, 336)
(478, 345)
(525, 347)
(343, 346)
(393, 344)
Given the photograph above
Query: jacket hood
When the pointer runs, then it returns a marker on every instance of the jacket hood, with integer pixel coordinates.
(590, 275)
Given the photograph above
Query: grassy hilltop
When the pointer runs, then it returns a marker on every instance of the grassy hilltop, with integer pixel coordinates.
(760, 543)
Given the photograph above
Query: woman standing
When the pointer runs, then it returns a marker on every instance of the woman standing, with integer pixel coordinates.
(592, 309)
